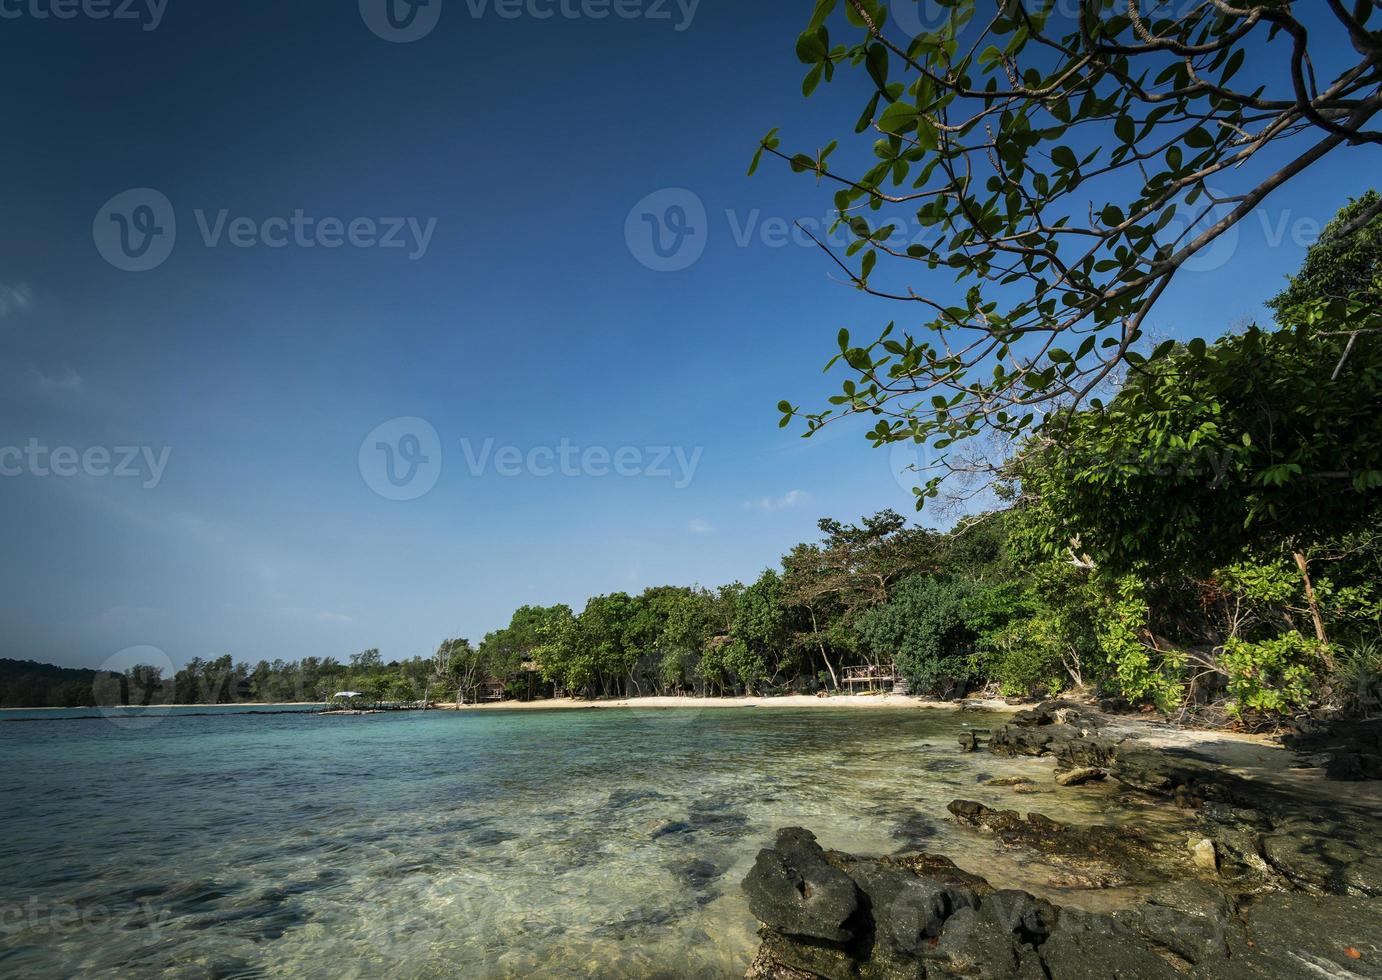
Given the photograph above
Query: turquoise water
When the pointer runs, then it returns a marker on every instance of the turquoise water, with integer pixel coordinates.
(566, 843)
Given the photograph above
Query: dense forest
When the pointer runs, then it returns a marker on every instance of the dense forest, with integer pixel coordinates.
(1207, 537)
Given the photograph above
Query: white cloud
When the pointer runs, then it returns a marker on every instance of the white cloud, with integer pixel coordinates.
(789, 499)
(700, 526)
(66, 379)
(325, 616)
(123, 617)
(15, 299)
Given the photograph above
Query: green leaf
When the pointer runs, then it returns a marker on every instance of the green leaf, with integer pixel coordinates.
(898, 118)
(1199, 138)
(813, 46)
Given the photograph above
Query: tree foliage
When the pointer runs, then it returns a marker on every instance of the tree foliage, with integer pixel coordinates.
(1063, 166)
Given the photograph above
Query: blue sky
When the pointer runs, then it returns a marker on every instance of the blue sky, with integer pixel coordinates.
(528, 321)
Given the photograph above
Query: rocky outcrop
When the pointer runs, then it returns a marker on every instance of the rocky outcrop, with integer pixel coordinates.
(922, 917)
(1352, 749)
(794, 887)
(1270, 882)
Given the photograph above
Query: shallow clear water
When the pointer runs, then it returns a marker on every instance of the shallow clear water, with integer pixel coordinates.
(570, 843)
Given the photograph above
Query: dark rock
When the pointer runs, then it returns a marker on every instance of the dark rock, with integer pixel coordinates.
(1159, 774)
(969, 741)
(1085, 946)
(785, 958)
(972, 945)
(667, 828)
(1192, 921)
(1088, 751)
(907, 910)
(792, 889)
(974, 814)
(1299, 935)
(1318, 861)
(915, 827)
(1353, 748)
(1354, 766)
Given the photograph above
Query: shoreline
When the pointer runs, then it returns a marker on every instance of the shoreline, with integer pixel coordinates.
(673, 702)
(156, 707)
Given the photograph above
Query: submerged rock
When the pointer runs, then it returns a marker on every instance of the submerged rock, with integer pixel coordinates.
(1078, 777)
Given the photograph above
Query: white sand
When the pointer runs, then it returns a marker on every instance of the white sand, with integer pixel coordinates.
(786, 701)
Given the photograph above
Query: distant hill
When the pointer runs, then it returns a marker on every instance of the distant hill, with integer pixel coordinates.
(29, 684)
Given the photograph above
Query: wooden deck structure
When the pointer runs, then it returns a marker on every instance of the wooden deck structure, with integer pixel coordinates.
(872, 678)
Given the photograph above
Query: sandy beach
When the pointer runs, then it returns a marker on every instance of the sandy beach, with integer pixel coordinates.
(844, 701)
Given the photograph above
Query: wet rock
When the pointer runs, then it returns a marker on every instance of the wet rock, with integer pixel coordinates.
(1011, 822)
(1078, 777)
(972, 741)
(1009, 781)
(915, 827)
(668, 828)
(793, 890)
(784, 958)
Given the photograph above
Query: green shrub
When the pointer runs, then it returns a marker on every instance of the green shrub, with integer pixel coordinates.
(1271, 676)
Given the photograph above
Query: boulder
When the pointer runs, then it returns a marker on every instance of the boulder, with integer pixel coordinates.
(792, 889)
(908, 911)
(1091, 751)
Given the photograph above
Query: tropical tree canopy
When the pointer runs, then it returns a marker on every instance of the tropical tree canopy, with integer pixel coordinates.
(1040, 173)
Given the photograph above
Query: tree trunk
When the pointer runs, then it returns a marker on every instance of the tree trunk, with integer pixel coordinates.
(815, 628)
(1313, 601)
